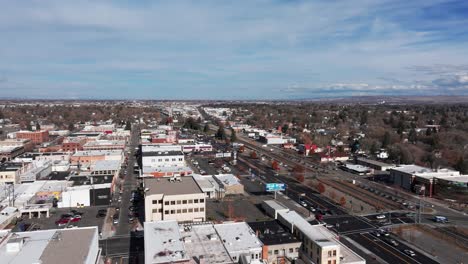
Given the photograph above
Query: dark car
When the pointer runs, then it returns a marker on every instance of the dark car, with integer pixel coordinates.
(75, 212)
(101, 213)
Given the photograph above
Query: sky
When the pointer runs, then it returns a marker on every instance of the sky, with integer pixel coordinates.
(232, 50)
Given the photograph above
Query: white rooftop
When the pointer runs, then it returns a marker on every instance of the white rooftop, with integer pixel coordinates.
(202, 240)
(428, 173)
(358, 168)
(228, 179)
(49, 246)
(85, 153)
(163, 243)
(238, 237)
(101, 165)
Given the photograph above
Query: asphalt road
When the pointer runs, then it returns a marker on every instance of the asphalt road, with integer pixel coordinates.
(123, 227)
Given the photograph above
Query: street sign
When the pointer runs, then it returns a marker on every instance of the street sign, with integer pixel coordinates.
(274, 187)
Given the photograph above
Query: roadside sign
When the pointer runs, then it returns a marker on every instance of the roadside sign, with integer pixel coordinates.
(274, 187)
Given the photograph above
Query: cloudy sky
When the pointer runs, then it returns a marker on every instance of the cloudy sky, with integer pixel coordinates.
(232, 49)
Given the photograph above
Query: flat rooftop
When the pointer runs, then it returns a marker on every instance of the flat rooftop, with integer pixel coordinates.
(162, 153)
(86, 153)
(238, 237)
(101, 165)
(426, 172)
(163, 243)
(227, 179)
(357, 168)
(375, 162)
(202, 240)
(184, 185)
(272, 233)
(50, 246)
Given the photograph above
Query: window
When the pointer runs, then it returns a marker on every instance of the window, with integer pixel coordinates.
(234, 258)
(160, 160)
(167, 160)
(291, 250)
(180, 159)
(334, 261)
(172, 211)
(166, 203)
(297, 249)
(202, 200)
(160, 201)
(179, 211)
(166, 211)
(155, 211)
(172, 202)
(184, 201)
(195, 210)
(329, 262)
(173, 159)
(179, 201)
(334, 253)
(276, 252)
(195, 201)
(184, 211)
(329, 255)
(190, 210)
(160, 211)
(202, 209)
(190, 201)
(269, 252)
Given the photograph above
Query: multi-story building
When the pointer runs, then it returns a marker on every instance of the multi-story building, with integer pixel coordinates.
(92, 156)
(176, 198)
(72, 144)
(10, 172)
(170, 242)
(319, 245)
(279, 245)
(240, 242)
(37, 137)
(77, 245)
(104, 145)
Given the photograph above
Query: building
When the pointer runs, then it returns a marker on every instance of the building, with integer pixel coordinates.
(92, 156)
(77, 245)
(10, 172)
(319, 245)
(72, 144)
(7, 215)
(37, 137)
(273, 139)
(357, 169)
(86, 195)
(424, 180)
(104, 145)
(8, 153)
(229, 183)
(279, 245)
(240, 241)
(324, 157)
(374, 164)
(163, 158)
(175, 198)
(169, 242)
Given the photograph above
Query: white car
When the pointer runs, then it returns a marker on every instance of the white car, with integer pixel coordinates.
(303, 203)
(380, 217)
(409, 252)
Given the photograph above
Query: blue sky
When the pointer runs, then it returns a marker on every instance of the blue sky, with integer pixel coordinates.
(232, 49)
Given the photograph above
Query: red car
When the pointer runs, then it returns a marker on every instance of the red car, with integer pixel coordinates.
(64, 221)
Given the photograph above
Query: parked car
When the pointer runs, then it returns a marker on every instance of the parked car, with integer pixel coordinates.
(75, 212)
(101, 213)
(115, 219)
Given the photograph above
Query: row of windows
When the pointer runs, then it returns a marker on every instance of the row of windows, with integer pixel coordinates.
(173, 159)
(276, 251)
(189, 201)
(180, 211)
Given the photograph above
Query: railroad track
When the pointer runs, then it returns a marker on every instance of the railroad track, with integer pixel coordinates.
(451, 233)
(376, 201)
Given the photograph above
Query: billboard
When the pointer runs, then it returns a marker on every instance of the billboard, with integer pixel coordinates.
(273, 187)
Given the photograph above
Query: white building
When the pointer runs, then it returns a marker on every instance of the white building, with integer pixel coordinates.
(176, 198)
(77, 245)
(319, 245)
(163, 159)
(85, 195)
(169, 242)
(240, 241)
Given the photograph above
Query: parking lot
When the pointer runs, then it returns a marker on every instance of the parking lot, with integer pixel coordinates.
(87, 219)
(242, 208)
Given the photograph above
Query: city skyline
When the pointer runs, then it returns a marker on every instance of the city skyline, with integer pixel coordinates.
(240, 50)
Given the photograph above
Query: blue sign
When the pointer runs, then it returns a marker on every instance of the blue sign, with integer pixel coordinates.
(274, 187)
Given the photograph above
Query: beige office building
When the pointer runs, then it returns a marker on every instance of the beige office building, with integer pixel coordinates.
(179, 199)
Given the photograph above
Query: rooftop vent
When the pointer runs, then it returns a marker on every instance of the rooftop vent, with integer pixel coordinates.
(15, 244)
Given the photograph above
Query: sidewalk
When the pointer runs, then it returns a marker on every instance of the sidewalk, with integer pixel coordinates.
(108, 229)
